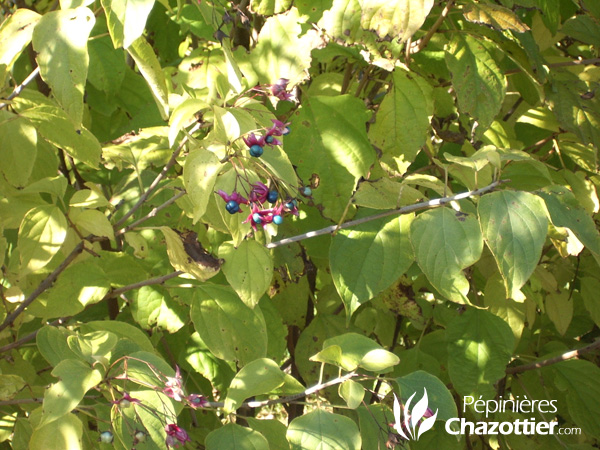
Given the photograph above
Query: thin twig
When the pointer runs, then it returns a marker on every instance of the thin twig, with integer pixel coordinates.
(404, 210)
(158, 178)
(42, 286)
(139, 284)
(20, 87)
(556, 359)
(425, 40)
(29, 337)
(289, 398)
(150, 214)
(576, 62)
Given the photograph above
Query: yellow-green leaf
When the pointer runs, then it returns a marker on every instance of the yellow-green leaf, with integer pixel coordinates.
(60, 40)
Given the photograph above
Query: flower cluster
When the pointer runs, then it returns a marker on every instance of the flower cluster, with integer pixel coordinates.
(278, 90)
(172, 387)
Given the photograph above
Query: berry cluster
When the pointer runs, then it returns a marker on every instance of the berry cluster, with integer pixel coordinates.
(265, 204)
(257, 144)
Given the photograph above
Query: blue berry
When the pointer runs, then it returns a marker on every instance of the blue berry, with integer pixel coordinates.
(291, 204)
(256, 218)
(106, 437)
(306, 191)
(256, 150)
(277, 220)
(232, 207)
(269, 139)
(286, 131)
(272, 196)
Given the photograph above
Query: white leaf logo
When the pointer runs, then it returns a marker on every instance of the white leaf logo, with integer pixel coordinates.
(416, 421)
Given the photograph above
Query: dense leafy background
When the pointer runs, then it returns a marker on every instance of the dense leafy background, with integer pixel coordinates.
(130, 116)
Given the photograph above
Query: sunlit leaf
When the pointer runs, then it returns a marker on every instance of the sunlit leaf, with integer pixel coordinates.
(60, 40)
(321, 430)
(479, 83)
(480, 346)
(235, 437)
(368, 258)
(514, 226)
(41, 235)
(329, 140)
(445, 243)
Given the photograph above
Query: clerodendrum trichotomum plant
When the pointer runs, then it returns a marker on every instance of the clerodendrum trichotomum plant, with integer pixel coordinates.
(333, 224)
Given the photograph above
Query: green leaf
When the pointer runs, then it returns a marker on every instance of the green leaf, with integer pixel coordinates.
(18, 149)
(445, 245)
(351, 350)
(199, 175)
(479, 83)
(321, 430)
(201, 267)
(329, 141)
(231, 330)
(497, 17)
(203, 361)
(270, 7)
(480, 346)
(248, 269)
(565, 211)
(15, 35)
(124, 331)
(402, 122)
(398, 19)
(93, 347)
(575, 114)
(126, 19)
(282, 50)
(258, 377)
(589, 291)
(149, 66)
(88, 198)
(369, 258)
(107, 65)
(146, 148)
(52, 344)
(352, 393)
(232, 123)
(514, 226)
(273, 430)
(60, 40)
(54, 126)
(75, 379)
(153, 307)
(559, 307)
(583, 28)
(41, 235)
(578, 378)
(63, 433)
(92, 221)
(183, 115)
(235, 437)
(439, 396)
(81, 284)
(513, 313)
(10, 385)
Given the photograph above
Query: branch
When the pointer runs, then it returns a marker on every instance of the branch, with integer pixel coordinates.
(577, 62)
(560, 358)
(130, 287)
(42, 286)
(20, 87)
(158, 178)
(404, 210)
(150, 214)
(290, 398)
(425, 40)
